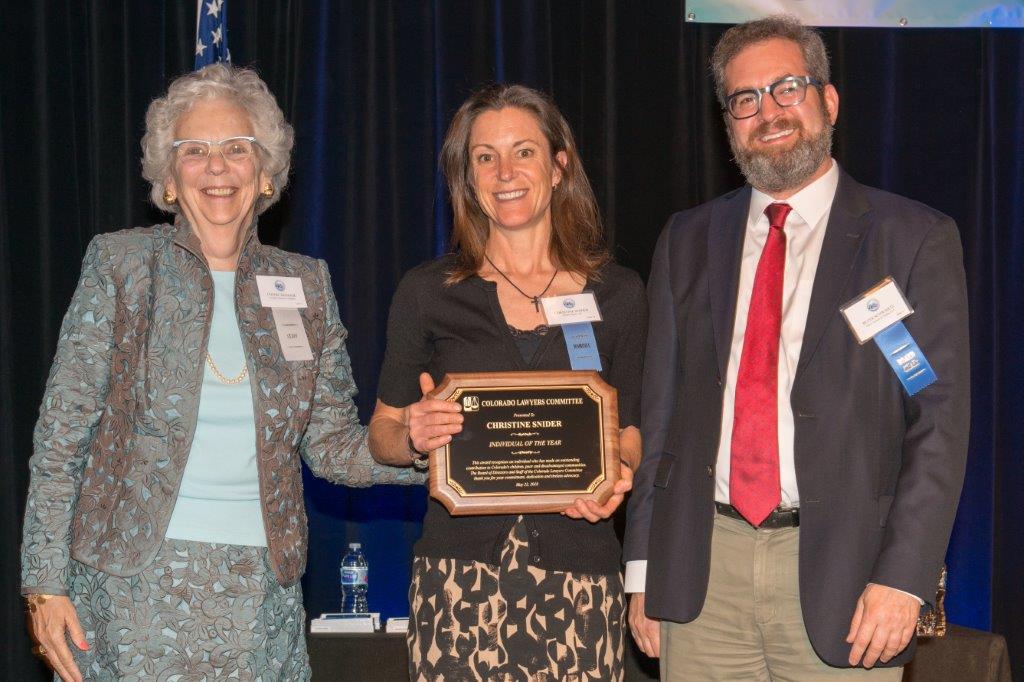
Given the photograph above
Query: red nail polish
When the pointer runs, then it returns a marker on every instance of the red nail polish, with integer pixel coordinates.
(83, 645)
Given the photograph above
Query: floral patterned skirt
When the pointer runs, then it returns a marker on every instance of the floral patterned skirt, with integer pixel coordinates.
(199, 611)
(474, 621)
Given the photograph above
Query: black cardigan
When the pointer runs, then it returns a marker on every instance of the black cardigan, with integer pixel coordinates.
(460, 328)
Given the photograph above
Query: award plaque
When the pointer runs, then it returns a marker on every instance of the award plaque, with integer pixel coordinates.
(530, 442)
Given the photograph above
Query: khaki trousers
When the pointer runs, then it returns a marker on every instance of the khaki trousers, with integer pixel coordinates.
(751, 627)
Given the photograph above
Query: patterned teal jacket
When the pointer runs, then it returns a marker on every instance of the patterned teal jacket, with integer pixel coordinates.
(120, 407)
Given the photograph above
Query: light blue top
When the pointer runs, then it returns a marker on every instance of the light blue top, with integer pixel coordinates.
(219, 497)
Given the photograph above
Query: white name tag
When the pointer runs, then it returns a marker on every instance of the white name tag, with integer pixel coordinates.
(571, 309)
(291, 334)
(876, 309)
(284, 296)
(280, 292)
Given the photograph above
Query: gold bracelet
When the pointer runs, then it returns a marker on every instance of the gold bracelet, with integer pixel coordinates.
(34, 601)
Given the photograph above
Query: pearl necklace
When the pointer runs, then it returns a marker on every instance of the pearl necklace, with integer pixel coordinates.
(223, 379)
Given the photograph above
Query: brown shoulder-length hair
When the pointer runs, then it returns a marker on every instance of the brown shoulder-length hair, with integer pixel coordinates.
(577, 239)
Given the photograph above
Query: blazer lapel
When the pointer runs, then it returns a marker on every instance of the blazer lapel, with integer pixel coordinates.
(725, 249)
(847, 224)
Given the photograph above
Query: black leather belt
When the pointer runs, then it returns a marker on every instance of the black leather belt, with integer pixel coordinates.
(779, 518)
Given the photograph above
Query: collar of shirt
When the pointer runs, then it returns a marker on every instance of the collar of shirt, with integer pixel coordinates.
(810, 204)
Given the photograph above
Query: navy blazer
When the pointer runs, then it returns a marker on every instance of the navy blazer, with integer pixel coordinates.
(879, 472)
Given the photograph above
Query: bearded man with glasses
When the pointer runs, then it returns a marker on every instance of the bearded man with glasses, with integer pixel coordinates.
(794, 525)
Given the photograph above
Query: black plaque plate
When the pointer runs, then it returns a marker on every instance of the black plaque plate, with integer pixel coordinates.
(530, 442)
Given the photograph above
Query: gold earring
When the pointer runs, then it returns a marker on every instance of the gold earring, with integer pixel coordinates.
(268, 190)
(169, 197)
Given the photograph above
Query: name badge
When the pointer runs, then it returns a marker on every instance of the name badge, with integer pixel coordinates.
(571, 309)
(284, 296)
(574, 314)
(878, 308)
(280, 292)
(878, 314)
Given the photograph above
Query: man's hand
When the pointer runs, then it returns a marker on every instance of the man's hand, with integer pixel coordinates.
(646, 631)
(882, 625)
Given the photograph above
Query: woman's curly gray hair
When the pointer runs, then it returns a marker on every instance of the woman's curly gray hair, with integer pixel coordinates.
(217, 81)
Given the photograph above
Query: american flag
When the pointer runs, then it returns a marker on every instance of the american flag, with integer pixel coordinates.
(211, 32)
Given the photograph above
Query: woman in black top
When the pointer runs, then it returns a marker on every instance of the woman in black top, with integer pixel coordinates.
(519, 595)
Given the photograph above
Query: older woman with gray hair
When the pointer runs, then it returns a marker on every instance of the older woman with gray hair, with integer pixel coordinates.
(165, 531)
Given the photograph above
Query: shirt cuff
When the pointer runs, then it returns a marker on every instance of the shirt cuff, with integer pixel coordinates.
(919, 600)
(51, 590)
(636, 576)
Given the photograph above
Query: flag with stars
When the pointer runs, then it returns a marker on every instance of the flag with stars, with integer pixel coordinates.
(212, 32)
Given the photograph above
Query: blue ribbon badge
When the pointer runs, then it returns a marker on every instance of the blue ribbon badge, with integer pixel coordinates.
(582, 346)
(575, 314)
(878, 314)
(905, 357)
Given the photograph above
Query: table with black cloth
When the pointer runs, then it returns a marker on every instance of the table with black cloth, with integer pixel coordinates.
(963, 654)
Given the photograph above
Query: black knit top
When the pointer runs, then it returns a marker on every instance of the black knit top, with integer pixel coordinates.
(460, 328)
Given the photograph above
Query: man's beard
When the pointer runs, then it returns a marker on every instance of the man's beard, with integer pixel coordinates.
(782, 170)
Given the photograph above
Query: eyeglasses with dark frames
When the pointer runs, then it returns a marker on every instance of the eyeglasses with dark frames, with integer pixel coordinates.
(787, 92)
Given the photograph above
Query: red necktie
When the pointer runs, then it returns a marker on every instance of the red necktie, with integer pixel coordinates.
(754, 467)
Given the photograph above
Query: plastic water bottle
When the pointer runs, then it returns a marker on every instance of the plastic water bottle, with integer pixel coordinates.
(354, 580)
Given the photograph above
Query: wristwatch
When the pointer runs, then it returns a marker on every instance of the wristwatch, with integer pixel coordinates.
(420, 460)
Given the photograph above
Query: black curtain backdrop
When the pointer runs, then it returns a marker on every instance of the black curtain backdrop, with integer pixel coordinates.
(936, 115)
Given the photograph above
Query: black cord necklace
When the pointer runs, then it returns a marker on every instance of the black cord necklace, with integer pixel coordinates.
(535, 299)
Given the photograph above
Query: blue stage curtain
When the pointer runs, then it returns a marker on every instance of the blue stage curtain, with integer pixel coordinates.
(937, 115)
